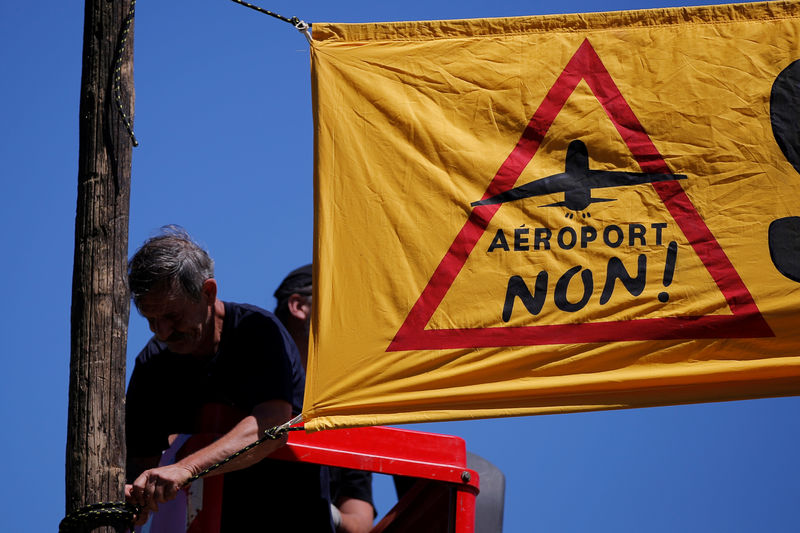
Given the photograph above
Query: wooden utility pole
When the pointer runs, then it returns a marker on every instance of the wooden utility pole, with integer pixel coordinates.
(95, 459)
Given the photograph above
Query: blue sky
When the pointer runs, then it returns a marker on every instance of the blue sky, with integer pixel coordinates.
(223, 115)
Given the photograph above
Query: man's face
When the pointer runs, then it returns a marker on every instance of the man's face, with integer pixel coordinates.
(176, 319)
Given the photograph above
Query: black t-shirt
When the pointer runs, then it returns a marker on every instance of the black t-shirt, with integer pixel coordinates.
(256, 361)
(350, 483)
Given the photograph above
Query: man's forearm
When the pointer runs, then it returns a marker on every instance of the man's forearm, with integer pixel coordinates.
(161, 484)
(357, 516)
(246, 432)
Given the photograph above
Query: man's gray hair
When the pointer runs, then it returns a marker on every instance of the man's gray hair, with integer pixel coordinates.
(170, 260)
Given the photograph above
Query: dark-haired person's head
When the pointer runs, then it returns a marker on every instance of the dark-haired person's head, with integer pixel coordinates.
(293, 307)
(298, 282)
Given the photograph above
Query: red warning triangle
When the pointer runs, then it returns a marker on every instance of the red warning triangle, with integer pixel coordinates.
(745, 320)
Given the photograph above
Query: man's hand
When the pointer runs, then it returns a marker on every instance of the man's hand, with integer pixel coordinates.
(141, 518)
(161, 484)
(157, 485)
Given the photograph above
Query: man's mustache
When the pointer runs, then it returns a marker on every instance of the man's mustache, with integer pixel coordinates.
(175, 337)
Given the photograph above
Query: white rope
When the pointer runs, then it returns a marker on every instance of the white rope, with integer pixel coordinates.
(290, 423)
(303, 28)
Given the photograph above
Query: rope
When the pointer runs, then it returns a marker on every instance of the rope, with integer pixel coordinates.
(126, 26)
(120, 515)
(301, 26)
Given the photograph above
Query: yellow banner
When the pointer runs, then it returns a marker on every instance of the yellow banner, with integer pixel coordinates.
(551, 214)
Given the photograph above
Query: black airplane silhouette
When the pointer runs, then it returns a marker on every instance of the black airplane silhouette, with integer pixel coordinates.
(577, 182)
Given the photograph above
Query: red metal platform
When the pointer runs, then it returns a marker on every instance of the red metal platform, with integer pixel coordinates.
(442, 500)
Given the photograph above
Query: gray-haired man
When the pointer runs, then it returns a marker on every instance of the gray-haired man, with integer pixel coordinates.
(235, 359)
